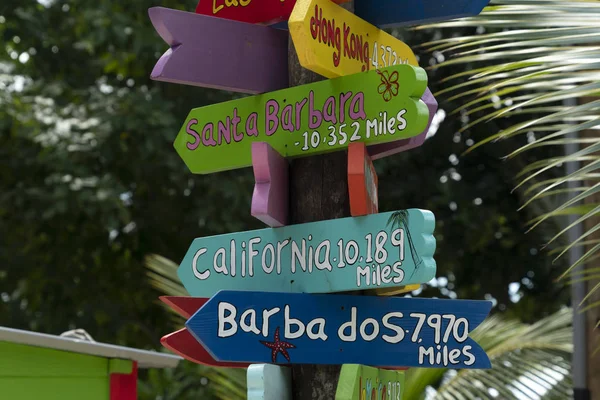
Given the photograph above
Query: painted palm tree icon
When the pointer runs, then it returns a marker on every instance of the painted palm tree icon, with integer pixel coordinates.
(400, 219)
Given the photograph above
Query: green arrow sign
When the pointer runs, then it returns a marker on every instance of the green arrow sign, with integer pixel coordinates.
(373, 107)
(358, 382)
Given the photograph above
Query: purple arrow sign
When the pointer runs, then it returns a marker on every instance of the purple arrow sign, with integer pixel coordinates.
(219, 53)
(270, 197)
(387, 149)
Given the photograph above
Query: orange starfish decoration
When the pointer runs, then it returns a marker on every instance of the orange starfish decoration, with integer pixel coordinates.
(278, 347)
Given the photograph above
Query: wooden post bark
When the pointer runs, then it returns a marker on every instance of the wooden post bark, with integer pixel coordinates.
(318, 191)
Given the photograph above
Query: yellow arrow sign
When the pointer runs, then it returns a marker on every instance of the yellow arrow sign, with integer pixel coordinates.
(334, 42)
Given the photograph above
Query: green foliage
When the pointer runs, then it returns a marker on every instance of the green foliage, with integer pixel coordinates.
(193, 381)
(90, 185)
(549, 56)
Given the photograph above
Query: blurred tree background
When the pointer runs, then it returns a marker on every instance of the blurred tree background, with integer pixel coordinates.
(90, 184)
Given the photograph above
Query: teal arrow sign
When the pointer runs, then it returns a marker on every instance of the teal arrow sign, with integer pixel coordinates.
(375, 251)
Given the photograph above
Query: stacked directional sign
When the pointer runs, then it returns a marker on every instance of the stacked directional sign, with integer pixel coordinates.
(264, 296)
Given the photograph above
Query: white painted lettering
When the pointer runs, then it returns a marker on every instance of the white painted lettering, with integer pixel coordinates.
(280, 246)
(390, 125)
(372, 126)
(232, 255)
(220, 267)
(320, 322)
(363, 329)
(297, 255)
(288, 325)
(325, 264)
(385, 274)
(226, 319)
(268, 249)
(251, 254)
(466, 352)
(251, 327)
(452, 357)
(399, 331)
(200, 275)
(401, 120)
(398, 241)
(266, 315)
(362, 272)
(350, 324)
(426, 352)
(398, 271)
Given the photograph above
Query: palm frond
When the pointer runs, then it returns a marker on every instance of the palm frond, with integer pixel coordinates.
(532, 57)
(192, 381)
(162, 275)
(227, 383)
(528, 361)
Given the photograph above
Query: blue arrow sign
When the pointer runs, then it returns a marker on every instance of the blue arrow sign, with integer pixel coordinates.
(393, 13)
(339, 255)
(294, 328)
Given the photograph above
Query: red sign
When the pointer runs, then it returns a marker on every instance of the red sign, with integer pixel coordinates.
(182, 342)
(252, 11)
(362, 181)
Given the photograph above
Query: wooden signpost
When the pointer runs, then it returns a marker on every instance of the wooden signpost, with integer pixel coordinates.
(359, 382)
(182, 342)
(297, 328)
(375, 107)
(218, 53)
(394, 13)
(253, 303)
(270, 200)
(320, 257)
(362, 181)
(334, 42)
(251, 11)
(269, 382)
(390, 148)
